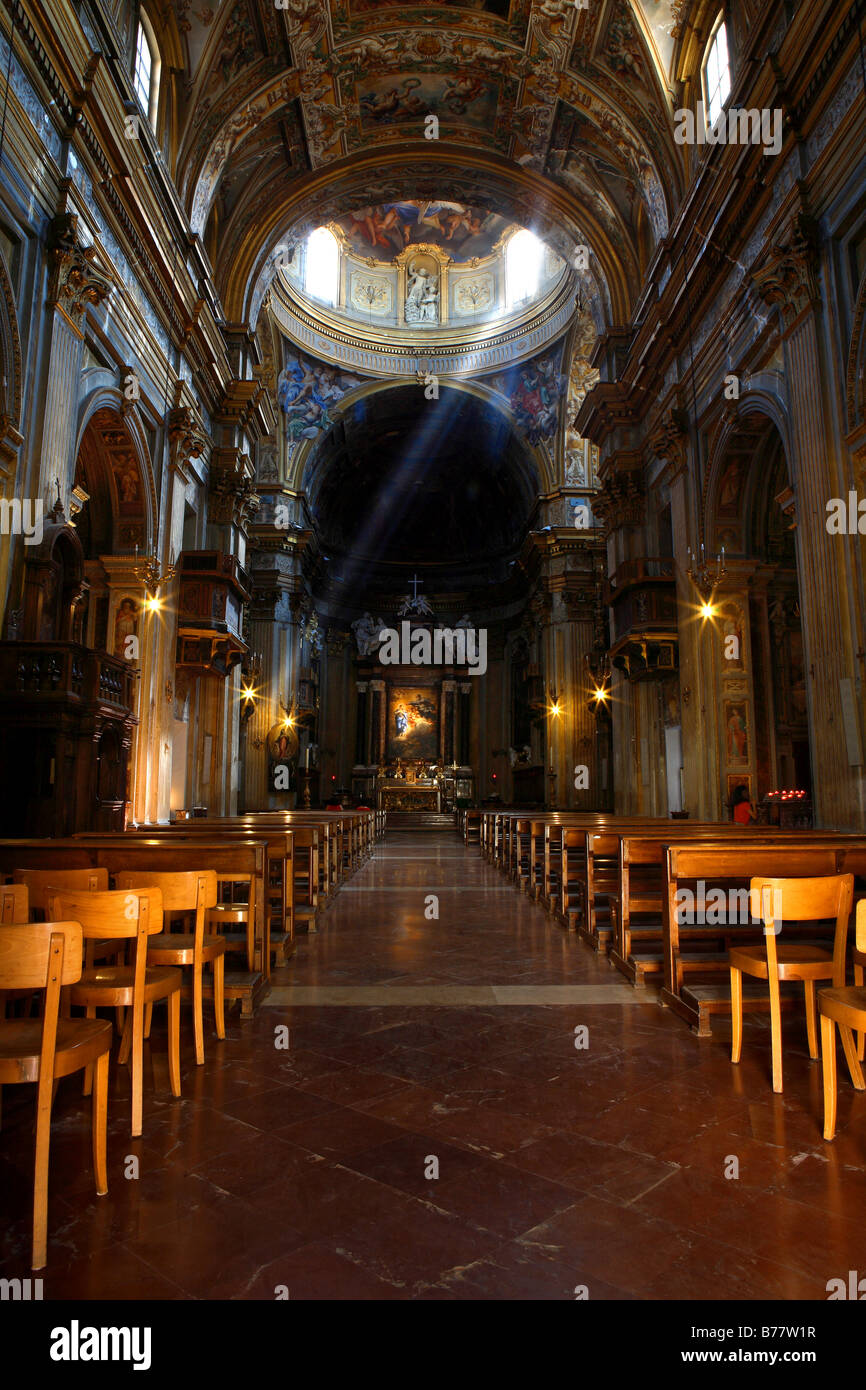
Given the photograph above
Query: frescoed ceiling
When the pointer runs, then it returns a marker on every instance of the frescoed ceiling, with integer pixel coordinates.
(550, 115)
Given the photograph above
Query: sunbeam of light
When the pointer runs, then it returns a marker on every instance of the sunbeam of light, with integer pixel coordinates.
(397, 494)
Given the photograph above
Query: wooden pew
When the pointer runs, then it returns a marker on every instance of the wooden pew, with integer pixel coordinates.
(244, 858)
(731, 867)
(279, 875)
(640, 890)
(636, 893)
(306, 856)
(472, 827)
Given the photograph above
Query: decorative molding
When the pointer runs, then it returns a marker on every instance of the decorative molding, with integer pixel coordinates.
(787, 273)
(620, 502)
(232, 500)
(854, 392)
(669, 437)
(77, 279)
(398, 355)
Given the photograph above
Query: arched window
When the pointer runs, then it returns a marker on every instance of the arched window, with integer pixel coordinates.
(145, 73)
(717, 72)
(322, 267)
(523, 257)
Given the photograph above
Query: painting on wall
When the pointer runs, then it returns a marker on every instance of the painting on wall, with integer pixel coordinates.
(499, 8)
(534, 391)
(413, 722)
(126, 629)
(282, 743)
(732, 631)
(308, 392)
(408, 98)
(387, 229)
(736, 733)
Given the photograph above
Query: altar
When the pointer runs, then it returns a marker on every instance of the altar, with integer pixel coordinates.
(396, 794)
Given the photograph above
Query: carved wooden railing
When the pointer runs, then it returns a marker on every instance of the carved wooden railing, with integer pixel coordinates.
(65, 672)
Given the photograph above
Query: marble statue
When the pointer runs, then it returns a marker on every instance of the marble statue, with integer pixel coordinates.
(366, 630)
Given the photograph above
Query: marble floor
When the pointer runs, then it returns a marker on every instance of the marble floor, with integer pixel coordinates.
(409, 1118)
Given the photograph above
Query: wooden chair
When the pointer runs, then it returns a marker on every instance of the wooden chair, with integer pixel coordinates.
(187, 892)
(231, 912)
(46, 956)
(14, 904)
(847, 1008)
(14, 907)
(797, 900)
(859, 958)
(126, 916)
(39, 882)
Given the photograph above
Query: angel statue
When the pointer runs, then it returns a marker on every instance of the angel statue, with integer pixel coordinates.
(419, 280)
(417, 604)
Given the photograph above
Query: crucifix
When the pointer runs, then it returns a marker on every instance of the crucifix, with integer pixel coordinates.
(415, 581)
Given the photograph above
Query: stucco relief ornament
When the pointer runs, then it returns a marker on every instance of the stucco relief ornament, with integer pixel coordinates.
(78, 280)
(575, 470)
(473, 296)
(787, 276)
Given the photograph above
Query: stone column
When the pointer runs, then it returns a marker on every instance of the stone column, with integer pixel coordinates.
(446, 737)
(362, 733)
(465, 726)
(377, 722)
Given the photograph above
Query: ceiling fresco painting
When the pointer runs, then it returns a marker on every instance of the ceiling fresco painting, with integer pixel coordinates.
(351, 17)
(308, 393)
(411, 97)
(550, 117)
(578, 96)
(386, 230)
(499, 8)
(534, 391)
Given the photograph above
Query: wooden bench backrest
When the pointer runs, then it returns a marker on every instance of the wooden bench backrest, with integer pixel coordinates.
(745, 861)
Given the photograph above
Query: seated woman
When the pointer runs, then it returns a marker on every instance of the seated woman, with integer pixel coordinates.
(744, 811)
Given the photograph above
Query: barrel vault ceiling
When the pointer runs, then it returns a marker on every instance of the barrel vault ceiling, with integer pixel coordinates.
(556, 116)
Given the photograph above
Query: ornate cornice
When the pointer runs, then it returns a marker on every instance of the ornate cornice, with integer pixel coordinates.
(397, 353)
